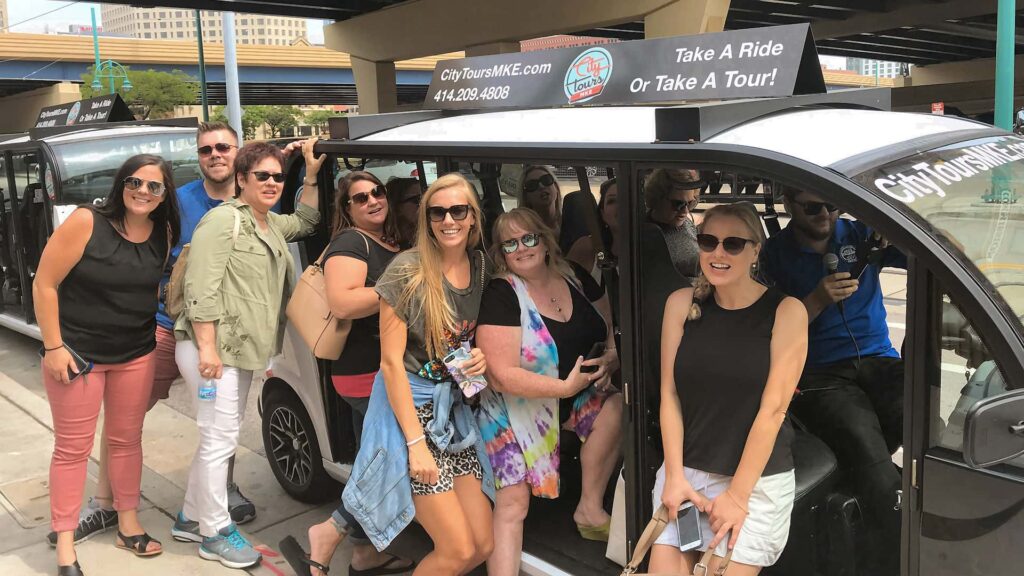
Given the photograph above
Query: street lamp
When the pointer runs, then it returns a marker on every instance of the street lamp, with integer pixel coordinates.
(113, 71)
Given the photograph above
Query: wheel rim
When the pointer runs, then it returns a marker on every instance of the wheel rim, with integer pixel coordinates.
(289, 445)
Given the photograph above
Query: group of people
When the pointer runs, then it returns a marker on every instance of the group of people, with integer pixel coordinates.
(432, 313)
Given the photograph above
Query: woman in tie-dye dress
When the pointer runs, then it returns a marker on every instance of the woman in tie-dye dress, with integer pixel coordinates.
(539, 319)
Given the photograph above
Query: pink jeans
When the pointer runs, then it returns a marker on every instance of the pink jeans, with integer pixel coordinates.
(124, 390)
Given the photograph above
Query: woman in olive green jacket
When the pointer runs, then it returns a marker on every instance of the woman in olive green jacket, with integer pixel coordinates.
(236, 287)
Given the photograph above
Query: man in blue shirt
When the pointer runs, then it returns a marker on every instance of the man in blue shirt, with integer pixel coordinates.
(851, 391)
(217, 144)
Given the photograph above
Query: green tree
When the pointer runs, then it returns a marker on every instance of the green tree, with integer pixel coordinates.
(319, 119)
(153, 94)
(280, 118)
(252, 118)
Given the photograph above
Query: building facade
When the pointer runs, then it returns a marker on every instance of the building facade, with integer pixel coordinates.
(4, 21)
(180, 24)
(867, 67)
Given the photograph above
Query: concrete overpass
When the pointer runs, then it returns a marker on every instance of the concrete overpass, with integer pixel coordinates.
(935, 35)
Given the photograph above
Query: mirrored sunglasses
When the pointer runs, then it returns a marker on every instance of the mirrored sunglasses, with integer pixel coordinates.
(361, 198)
(537, 183)
(512, 244)
(220, 147)
(263, 176)
(458, 212)
(154, 188)
(733, 244)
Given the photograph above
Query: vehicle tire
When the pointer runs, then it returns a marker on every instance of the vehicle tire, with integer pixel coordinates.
(293, 451)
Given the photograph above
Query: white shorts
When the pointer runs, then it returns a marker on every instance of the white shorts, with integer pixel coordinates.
(764, 532)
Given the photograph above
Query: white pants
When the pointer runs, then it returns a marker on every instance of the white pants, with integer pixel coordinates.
(219, 420)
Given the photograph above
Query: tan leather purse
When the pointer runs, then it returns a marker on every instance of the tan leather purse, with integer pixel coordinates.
(311, 315)
(174, 290)
(654, 529)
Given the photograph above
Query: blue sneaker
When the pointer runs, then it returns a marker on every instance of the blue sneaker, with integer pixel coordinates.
(185, 530)
(230, 548)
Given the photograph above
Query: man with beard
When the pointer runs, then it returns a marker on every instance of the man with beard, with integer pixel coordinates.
(217, 144)
(851, 391)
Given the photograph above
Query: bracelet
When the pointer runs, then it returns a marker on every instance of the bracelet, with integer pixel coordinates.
(414, 441)
(313, 183)
(57, 347)
(737, 502)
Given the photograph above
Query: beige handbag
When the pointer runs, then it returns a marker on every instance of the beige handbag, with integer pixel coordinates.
(654, 529)
(311, 315)
(174, 290)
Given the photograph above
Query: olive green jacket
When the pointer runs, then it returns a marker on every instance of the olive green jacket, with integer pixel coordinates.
(242, 285)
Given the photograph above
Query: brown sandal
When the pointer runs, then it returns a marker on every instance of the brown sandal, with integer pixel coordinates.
(138, 545)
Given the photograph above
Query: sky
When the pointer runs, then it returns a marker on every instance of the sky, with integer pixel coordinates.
(78, 13)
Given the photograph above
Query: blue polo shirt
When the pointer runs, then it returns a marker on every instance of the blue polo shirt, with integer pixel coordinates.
(193, 204)
(797, 271)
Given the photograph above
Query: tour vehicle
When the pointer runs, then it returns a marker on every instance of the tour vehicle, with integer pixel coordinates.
(47, 172)
(925, 182)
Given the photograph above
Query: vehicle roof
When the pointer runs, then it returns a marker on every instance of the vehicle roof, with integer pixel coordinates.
(823, 136)
(99, 131)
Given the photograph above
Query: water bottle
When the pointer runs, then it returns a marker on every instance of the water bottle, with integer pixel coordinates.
(208, 390)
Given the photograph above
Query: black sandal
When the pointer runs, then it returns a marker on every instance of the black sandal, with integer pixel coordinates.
(383, 569)
(72, 570)
(297, 557)
(138, 545)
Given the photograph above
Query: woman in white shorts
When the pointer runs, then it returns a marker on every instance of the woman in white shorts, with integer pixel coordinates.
(732, 353)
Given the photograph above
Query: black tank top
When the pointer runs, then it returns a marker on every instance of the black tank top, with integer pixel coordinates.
(108, 300)
(721, 369)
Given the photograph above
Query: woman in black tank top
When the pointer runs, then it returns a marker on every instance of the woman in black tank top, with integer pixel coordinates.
(95, 297)
(732, 352)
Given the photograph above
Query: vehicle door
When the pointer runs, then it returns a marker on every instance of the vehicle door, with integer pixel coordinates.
(26, 225)
(964, 496)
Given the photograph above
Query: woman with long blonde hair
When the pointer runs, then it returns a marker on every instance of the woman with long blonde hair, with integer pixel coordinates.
(423, 455)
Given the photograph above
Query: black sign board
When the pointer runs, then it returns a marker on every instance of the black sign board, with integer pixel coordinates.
(109, 108)
(757, 62)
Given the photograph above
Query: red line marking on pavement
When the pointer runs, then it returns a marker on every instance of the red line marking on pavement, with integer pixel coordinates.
(268, 552)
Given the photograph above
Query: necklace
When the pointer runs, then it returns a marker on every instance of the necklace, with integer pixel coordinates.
(554, 302)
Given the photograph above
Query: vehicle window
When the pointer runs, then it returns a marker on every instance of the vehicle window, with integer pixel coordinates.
(967, 374)
(970, 194)
(386, 170)
(87, 168)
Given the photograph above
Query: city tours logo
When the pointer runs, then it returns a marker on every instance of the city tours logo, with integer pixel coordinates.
(73, 114)
(588, 75)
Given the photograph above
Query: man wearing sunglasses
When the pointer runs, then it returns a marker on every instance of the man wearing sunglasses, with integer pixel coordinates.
(851, 391)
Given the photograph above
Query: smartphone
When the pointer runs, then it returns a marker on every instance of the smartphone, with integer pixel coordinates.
(470, 385)
(595, 352)
(82, 365)
(688, 526)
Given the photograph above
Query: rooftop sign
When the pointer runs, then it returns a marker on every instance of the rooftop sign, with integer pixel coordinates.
(109, 108)
(757, 62)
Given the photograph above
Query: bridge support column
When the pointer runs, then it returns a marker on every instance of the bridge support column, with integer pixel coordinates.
(376, 85)
(685, 17)
(492, 48)
(21, 110)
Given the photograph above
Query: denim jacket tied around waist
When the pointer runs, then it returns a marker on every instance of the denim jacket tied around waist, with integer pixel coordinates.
(379, 491)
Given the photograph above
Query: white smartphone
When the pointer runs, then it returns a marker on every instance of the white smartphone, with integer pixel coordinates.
(688, 526)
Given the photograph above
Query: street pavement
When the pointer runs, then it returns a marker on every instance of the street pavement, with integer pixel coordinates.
(169, 441)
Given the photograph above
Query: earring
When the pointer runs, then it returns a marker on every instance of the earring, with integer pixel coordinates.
(753, 269)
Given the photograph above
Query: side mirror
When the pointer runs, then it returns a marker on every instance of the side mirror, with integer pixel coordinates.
(994, 430)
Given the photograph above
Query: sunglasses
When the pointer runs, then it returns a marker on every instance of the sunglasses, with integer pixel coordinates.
(412, 199)
(813, 208)
(220, 147)
(531, 186)
(733, 244)
(361, 198)
(684, 205)
(458, 212)
(263, 176)
(529, 241)
(155, 188)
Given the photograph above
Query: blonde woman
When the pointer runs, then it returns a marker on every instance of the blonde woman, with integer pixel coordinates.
(738, 464)
(423, 456)
(539, 322)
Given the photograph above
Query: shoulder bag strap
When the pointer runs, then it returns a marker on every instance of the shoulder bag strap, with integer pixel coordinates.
(234, 229)
(654, 529)
(701, 568)
(167, 257)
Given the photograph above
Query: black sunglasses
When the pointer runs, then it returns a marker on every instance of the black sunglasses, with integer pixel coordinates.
(733, 244)
(531, 186)
(219, 146)
(155, 188)
(813, 208)
(683, 205)
(412, 199)
(529, 241)
(263, 176)
(360, 198)
(458, 212)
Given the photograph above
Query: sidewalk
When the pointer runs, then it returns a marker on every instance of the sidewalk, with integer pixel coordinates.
(26, 442)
